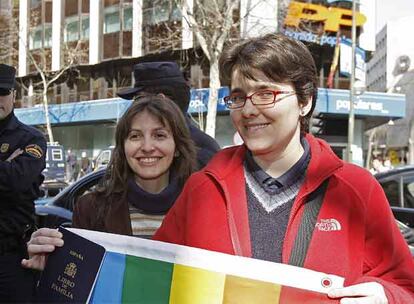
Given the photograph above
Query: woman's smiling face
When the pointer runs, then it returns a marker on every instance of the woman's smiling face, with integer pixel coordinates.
(265, 129)
(149, 149)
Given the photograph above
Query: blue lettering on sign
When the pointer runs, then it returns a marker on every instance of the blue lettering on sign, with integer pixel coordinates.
(310, 37)
(199, 100)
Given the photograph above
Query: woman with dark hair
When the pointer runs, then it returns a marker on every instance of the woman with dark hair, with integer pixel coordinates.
(153, 157)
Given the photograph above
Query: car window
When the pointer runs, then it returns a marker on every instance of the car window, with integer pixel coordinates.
(392, 191)
(408, 191)
(89, 187)
(57, 154)
(67, 200)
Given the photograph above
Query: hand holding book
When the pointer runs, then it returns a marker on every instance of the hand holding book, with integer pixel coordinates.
(42, 242)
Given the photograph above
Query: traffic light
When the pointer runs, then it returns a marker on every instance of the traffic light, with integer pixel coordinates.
(317, 125)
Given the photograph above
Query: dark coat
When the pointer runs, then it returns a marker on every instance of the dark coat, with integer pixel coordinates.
(20, 177)
(206, 146)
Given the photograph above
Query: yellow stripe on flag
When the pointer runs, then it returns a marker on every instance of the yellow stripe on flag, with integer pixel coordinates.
(194, 285)
(246, 291)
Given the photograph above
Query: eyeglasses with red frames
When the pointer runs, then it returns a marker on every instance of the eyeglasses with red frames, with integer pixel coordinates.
(259, 98)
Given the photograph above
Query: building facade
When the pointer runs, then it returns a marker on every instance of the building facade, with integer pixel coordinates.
(391, 69)
(95, 43)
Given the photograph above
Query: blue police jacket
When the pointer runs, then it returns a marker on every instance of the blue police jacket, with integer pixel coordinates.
(20, 177)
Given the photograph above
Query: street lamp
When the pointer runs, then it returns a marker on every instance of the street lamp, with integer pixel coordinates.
(351, 118)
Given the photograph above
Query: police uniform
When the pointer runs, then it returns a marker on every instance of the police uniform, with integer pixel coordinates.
(20, 178)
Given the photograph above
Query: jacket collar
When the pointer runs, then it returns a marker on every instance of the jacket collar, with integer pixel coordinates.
(9, 123)
(322, 165)
(323, 162)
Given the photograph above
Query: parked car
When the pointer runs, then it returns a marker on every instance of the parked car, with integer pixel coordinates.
(398, 185)
(408, 234)
(55, 211)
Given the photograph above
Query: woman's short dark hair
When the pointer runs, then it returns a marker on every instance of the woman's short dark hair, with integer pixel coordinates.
(281, 59)
(168, 113)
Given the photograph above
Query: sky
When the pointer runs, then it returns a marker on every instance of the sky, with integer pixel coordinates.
(386, 10)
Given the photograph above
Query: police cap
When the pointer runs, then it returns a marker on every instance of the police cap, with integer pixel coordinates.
(7, 76)
(148, 74)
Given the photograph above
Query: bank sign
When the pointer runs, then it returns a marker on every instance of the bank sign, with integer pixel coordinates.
(333, 19)
(335, 101)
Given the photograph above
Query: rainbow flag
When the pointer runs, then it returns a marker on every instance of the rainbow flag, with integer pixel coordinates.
(143, 271)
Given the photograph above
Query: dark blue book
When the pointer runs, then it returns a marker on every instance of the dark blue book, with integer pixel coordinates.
(70, 271)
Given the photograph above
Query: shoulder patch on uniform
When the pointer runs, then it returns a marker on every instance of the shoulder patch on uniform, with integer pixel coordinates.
(4, 148)
(34, 150)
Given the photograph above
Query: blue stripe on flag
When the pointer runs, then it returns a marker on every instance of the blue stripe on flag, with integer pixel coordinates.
(110, 280)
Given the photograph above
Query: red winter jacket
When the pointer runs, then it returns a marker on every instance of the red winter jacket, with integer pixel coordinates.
(355, 237)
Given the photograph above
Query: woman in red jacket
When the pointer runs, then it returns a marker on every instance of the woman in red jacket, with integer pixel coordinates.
(253, 200)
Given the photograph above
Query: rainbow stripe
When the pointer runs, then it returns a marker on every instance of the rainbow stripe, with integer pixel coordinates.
(142, 271)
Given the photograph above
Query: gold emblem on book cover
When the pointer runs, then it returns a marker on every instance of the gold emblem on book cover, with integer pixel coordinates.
(70, 270)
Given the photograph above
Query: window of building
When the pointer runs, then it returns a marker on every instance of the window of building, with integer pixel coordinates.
(71, 31)
(5, 5)
(128, 18)
(48, 36)
(35, 3)
(35, 39)
(85, 28)
(111, 20)
(161, 12)
(161, 26)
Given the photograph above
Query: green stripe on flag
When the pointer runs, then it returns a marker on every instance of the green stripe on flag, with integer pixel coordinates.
(146, 281)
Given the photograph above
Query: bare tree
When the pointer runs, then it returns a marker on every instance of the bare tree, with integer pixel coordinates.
(211, 23)
(214, 23)
(49, 77)
(39, 60)
(7, 32)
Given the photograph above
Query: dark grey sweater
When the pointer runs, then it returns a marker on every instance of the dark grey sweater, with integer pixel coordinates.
(269, 202)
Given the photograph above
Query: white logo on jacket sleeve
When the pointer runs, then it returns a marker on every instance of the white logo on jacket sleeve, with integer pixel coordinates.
(328, 225)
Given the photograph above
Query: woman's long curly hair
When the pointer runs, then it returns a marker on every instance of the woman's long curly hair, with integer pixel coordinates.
(119, 172)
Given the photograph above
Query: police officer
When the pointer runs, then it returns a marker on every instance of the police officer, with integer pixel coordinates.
(22, 160)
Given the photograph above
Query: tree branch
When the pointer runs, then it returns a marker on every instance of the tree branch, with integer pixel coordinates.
(228, 24)
(192, 22)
